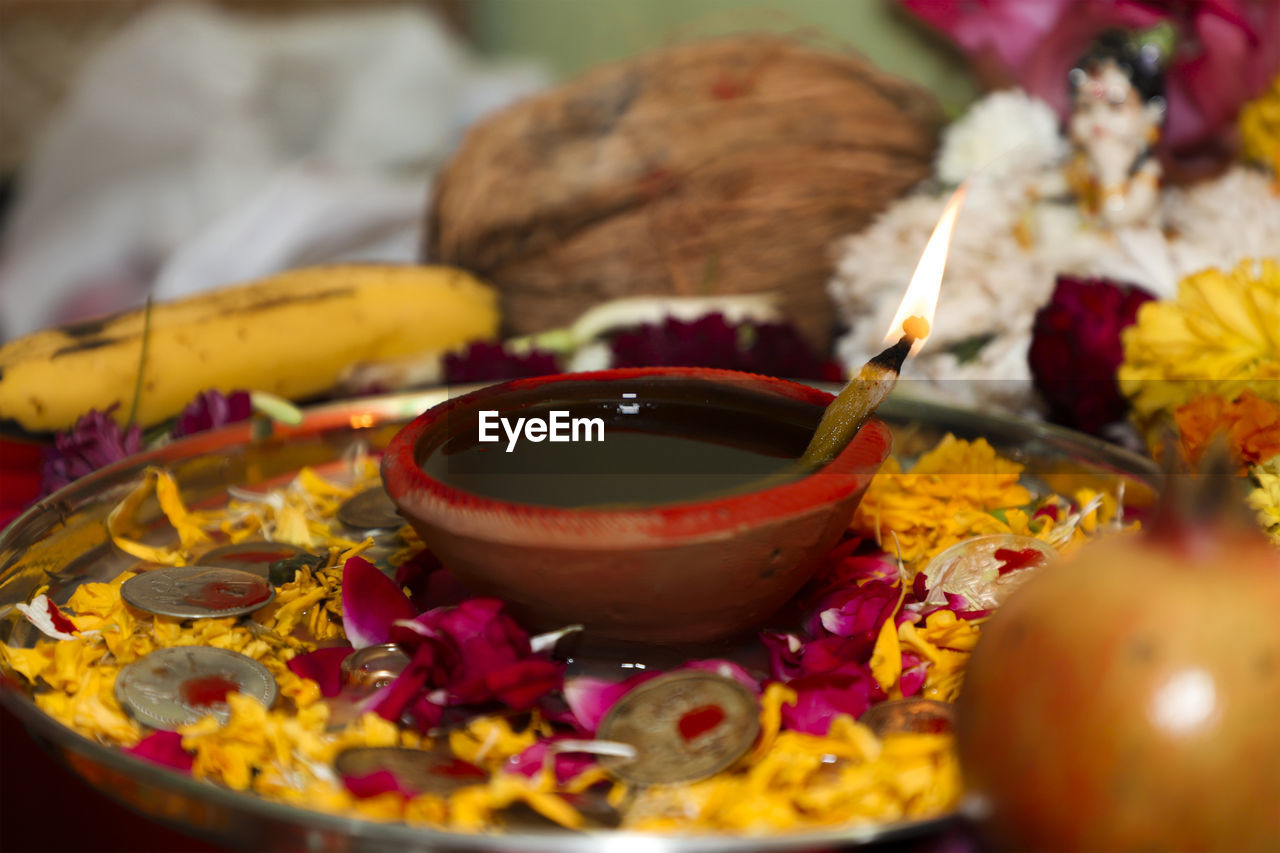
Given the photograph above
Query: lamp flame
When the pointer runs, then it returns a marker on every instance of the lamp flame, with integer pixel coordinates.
(915, 314)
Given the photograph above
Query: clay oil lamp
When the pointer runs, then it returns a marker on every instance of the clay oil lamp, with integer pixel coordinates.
(653, 505)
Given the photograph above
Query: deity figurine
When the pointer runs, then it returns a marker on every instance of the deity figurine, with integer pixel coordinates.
(1117, 109)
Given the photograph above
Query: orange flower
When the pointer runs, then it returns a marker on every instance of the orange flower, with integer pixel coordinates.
(1250, 424)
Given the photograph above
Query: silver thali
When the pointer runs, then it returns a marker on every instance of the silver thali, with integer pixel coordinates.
(62, 542)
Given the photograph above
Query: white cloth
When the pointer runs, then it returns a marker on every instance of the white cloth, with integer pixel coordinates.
(200, 148)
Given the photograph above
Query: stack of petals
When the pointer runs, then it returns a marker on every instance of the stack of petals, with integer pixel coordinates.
(471, 654)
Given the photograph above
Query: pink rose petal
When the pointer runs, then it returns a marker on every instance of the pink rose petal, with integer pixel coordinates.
(371, 602)
(589, 699)
(855, 611)
(792, 657)
(728, 669)
(165, 749)
(821, 697)
(376, 783)
(914, 670)
(568, 765)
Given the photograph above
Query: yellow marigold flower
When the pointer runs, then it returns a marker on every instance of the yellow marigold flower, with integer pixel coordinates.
(946, 497)
(808, 781)
(1221, 336)
(1260, 128)
(1265, 500)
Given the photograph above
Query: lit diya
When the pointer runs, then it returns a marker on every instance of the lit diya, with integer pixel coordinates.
(658, 505)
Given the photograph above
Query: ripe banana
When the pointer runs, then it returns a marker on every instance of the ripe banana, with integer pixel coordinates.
(291, 334)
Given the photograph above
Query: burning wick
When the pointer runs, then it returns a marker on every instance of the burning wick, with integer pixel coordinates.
(911, 326)
(916, 327)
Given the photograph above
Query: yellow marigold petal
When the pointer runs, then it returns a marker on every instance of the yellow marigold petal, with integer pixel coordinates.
(30, 662)
(1220, 336)
(886, 657)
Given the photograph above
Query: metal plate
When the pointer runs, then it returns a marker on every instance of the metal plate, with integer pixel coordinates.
(62, 542)
(371, 509)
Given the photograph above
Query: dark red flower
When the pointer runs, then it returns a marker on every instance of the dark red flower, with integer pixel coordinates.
(96, 440)
(20, 463)
(211, 409)
(492, 362)
(775, 349)
(429, 583)
(1076, 349)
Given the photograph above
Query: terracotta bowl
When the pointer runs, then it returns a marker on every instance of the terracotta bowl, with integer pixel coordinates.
(683, 572)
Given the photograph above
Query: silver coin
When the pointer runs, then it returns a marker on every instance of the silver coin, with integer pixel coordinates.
(910, 716)
(198, 592)
(255, 557)
(986, 569)
(423, 771)
(374, 666)
(179, 685)
(371, 509)
(684, 725)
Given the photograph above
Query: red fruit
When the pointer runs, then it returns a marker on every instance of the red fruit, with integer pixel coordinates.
(1129, 699)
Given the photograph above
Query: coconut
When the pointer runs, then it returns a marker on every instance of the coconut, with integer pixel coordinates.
(716, 167)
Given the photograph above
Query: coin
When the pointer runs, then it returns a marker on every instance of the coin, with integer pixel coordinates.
(371, 509)
(178, 685)
(985, 569)
(255, 557)
(423, 771)
(197, 592)
(374, 666)
(684, 725)
(910, 716)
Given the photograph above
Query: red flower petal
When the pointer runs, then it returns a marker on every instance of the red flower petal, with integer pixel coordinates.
(165, 749)
(728, 669)
(376, 783)
(371, 602)
(819, 698)
(857, 611)
(589, 699)
(323, 666)
(520, 685)
(429, 583)
(567, 765)
(426, 669)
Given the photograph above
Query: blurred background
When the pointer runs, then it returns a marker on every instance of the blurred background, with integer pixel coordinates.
(143, 142)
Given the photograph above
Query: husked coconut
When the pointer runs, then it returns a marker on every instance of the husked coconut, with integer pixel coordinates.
(724, 166)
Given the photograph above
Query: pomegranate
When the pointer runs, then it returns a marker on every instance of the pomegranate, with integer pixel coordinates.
(1128, 698)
